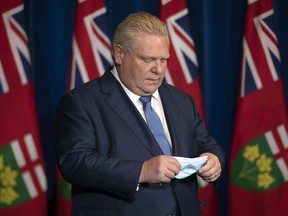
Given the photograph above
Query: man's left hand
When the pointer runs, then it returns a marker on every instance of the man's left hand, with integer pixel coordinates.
(211, 171)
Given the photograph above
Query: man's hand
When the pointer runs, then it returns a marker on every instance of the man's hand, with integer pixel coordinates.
(211, 171)
(159, 169)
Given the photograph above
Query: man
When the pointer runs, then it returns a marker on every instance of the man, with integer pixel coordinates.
(105, 147)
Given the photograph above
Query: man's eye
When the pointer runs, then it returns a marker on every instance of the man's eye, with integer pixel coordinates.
(150, 60)
(164, 60)
(147, 60)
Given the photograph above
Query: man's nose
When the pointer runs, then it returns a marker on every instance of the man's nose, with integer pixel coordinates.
(157, 66)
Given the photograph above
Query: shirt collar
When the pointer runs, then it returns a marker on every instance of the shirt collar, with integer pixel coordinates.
(130, 94)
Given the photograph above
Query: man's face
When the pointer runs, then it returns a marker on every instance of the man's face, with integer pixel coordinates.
(143, 68)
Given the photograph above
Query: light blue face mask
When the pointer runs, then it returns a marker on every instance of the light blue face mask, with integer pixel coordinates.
(189, 166)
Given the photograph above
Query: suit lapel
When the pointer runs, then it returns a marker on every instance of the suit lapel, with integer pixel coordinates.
(123, 106)
(173, 116)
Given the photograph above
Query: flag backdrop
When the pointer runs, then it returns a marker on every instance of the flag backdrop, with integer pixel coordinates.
(218, 38)
(23, 183)
(183, 73)
(259, 155)
(90, 57)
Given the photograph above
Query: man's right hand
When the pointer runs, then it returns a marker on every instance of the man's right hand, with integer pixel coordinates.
(159, 169)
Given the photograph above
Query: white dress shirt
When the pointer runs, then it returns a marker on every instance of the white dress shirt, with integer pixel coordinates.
(156, 104)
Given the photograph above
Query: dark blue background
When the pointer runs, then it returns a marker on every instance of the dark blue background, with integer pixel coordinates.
(217, 27)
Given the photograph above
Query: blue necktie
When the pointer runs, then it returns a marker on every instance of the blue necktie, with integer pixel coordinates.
(155, 125)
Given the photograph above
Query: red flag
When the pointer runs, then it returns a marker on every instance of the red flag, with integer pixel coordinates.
(90, 57)
(258, 163)
(183, 73)
(23, 182)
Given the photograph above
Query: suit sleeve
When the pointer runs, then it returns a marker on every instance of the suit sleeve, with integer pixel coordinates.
(206, 143)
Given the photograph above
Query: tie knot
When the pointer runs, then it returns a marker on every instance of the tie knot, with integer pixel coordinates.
(145, 99)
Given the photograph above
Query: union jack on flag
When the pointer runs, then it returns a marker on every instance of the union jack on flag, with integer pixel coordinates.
(255, 71)
(13, 26)
(91, 53)
(180, 35)
(183, 64)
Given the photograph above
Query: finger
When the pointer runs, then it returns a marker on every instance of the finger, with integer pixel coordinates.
(170, 175)
(174, 161)
(210, 168)
(211, 178)
(208, 165)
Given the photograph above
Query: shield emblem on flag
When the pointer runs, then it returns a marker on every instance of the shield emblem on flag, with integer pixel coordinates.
(19, 178)
(259, 165)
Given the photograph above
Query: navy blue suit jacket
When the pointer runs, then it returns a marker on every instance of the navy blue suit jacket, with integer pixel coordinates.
(102, 141)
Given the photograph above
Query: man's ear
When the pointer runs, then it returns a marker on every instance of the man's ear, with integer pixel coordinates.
(118, 54)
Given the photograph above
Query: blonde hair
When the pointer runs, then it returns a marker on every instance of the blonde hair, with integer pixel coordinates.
(134, 26)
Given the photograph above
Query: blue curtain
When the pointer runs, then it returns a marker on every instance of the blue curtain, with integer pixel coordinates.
(217, 27)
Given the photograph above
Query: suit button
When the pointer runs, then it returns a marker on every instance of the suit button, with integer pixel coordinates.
(171, 214)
